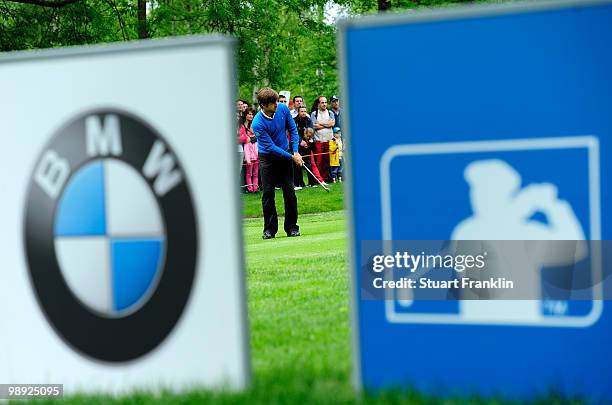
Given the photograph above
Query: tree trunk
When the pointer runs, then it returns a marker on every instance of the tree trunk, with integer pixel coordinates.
(384, 5)
(142, 19)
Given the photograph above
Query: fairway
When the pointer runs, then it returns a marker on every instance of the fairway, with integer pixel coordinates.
(300, 335)
(298, 298)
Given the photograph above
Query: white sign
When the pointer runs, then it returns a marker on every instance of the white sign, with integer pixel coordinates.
(121, 233)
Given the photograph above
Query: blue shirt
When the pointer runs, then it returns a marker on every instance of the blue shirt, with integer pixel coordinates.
(271, 135)
(337, 115)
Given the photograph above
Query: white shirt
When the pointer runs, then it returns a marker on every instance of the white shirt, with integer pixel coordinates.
(325, 134)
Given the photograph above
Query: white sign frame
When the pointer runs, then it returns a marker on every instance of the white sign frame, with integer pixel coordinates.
(184, 88)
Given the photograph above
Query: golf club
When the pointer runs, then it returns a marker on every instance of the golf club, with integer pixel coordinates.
(322, 185)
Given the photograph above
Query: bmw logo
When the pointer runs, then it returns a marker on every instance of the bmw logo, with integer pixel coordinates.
(110, 235)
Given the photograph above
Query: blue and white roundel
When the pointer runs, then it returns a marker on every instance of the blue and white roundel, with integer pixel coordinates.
(110, 234)
(108, 218)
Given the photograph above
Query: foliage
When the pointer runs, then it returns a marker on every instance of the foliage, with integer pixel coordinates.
(26, 26)
(281, 43)
(285, 44)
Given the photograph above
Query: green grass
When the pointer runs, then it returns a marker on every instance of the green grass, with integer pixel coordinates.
(299, 319)
(298, 296)
(310, 200)
(298, 307)
(298, 311)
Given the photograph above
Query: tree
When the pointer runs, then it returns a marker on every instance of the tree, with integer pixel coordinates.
(285, 44)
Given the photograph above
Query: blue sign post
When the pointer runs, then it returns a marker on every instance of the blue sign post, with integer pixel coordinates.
(446, 110)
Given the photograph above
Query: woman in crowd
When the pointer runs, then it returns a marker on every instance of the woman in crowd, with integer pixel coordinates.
(315, 105)
(239, 121)
(247, 137)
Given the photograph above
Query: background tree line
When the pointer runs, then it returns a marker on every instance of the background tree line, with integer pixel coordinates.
(286, 44)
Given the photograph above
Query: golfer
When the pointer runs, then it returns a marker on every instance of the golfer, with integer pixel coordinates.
(276, 158)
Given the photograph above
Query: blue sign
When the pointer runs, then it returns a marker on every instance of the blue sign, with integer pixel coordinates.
(489, 123)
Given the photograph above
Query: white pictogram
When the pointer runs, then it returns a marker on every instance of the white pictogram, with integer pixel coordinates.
(503, 211)
(505, 207)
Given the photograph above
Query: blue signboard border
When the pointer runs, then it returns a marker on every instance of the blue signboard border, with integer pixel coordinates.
(377, 20)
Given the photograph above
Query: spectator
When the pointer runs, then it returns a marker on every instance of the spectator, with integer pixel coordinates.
(335, 152)
(315, 105)
(241, 142)
(323, 121)
(245, 106)
(341, 146)
(250, 151)
(239, 106)
(282, 99)
(302, 121)
(335, 102)
(297, 102)
(306, 149)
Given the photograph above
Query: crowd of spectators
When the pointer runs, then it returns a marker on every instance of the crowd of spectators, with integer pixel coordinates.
(320, 142)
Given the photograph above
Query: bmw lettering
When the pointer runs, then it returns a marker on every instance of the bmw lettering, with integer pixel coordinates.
(110, 235)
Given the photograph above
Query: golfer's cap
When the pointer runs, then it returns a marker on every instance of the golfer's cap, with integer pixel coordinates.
(334, 97)
(491, 173)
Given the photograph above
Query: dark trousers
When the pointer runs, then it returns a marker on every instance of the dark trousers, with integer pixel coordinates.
(277, 170)
(298, 177)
